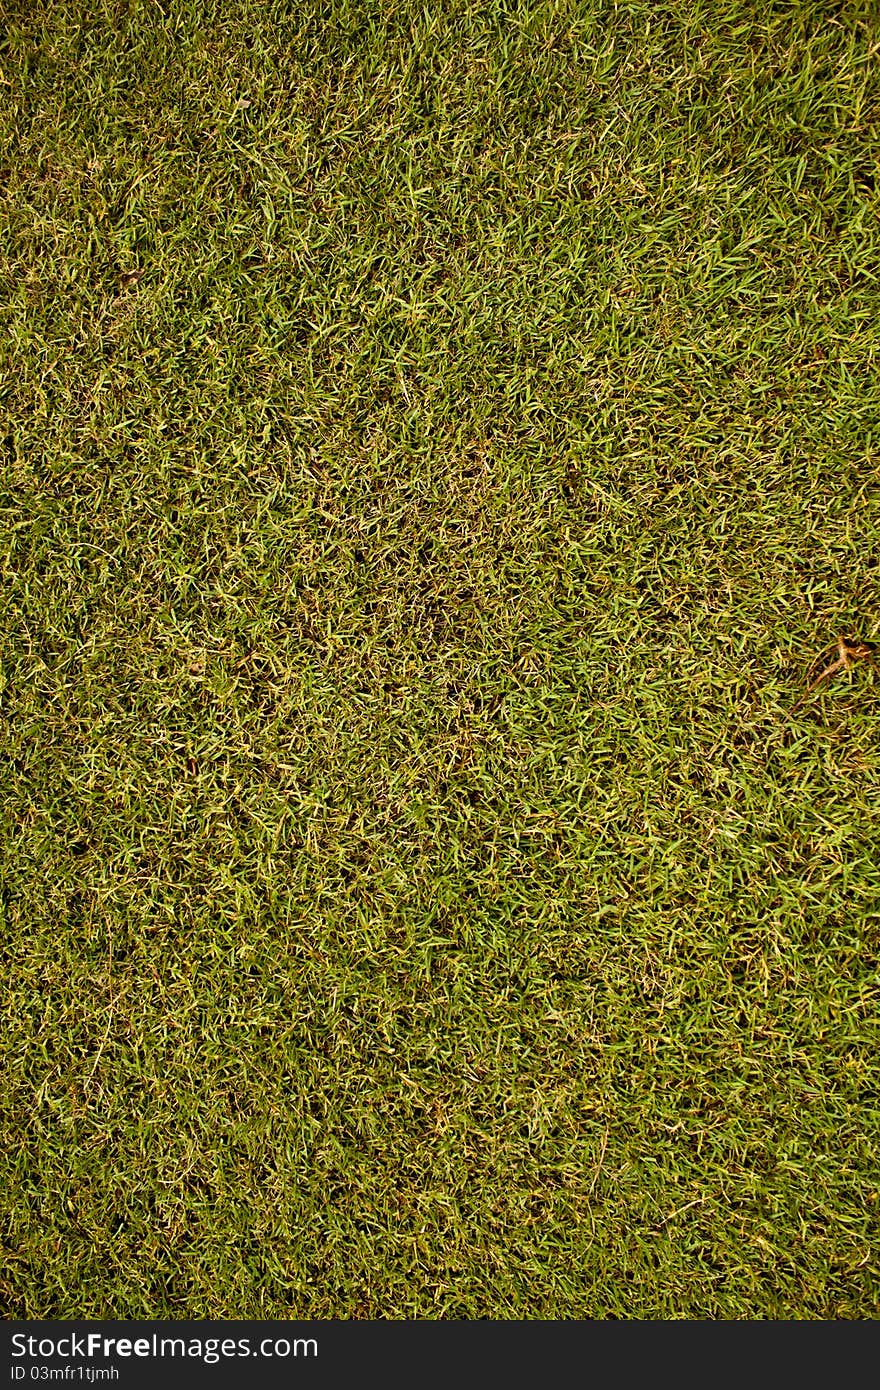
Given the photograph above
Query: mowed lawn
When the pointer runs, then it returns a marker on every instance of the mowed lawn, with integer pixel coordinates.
(439, 456)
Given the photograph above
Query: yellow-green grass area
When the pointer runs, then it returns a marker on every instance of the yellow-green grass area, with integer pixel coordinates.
(439, 447)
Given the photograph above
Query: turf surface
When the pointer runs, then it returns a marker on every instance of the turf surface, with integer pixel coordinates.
(439, 447)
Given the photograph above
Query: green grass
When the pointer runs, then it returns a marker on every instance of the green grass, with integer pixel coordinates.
(438, 444)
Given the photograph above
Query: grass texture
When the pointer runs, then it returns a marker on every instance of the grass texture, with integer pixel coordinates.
(439, 454)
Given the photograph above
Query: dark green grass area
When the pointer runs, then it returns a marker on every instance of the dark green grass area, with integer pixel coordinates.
(439, 444)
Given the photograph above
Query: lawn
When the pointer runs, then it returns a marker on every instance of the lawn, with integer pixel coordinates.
(440, 453)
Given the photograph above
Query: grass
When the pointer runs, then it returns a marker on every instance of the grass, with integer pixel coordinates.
(440, 445)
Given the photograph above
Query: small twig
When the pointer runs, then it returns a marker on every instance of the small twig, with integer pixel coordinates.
(848, 651)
